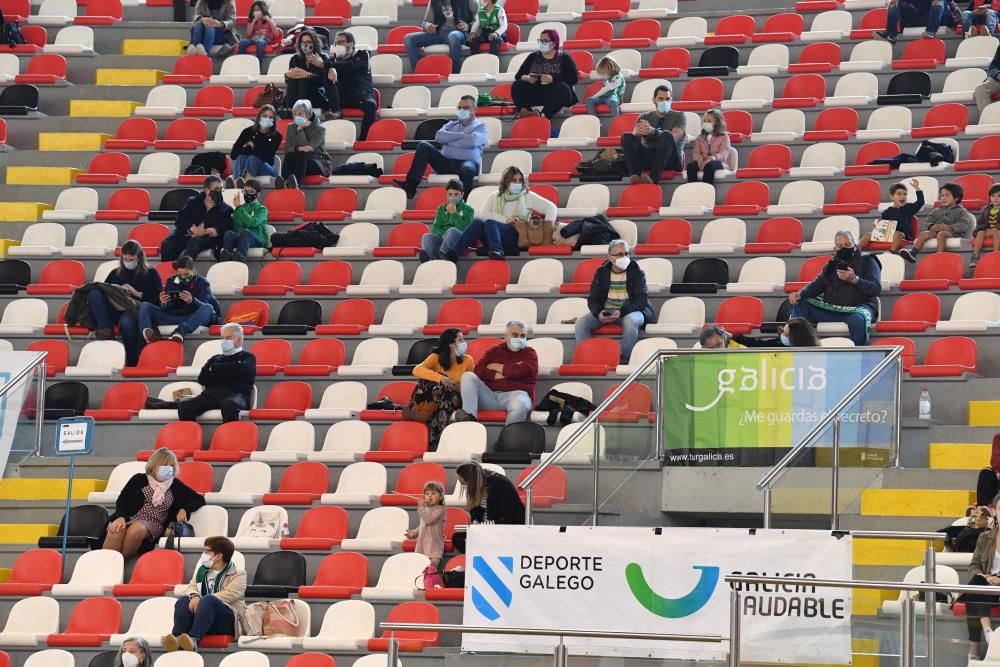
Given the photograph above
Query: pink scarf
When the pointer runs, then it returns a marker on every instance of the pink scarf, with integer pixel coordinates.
(159, 489)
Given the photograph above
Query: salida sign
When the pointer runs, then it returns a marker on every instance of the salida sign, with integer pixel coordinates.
(633, 579)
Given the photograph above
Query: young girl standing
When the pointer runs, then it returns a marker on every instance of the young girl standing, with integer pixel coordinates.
(430, 534)
(613, 89)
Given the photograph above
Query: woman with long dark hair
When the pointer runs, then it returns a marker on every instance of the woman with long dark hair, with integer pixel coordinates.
(214, 25)
(489, 498)
(261, 31)
(253, 152)
(796, 332)
(439, 376)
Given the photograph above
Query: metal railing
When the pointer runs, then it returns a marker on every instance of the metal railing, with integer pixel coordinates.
(766, 484)
(37, 367)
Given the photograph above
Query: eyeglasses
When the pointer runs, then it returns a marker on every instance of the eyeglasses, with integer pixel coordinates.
(616, 255)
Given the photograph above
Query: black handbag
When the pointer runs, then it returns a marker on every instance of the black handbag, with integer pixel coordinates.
(453, 579)
(176, 530)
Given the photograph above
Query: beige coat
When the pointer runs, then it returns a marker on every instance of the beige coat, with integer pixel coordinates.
(430, 535)
(232, 592)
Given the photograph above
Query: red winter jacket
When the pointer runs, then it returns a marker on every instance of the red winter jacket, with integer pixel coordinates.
(520, 369)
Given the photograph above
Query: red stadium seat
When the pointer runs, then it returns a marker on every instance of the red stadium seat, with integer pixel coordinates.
(431, 69)
(60, 328)
(530, 132)
(733, 29)
(816, 58)
(521, 11)
(57, 352)
(232, 442)
(387, 134)
(638, 34)
(740, 314)
(45, 69)
(59, 277)
(340, 575)
(397, 392)
(700, 94)
(558, 167)
(121, 401)
(607, 10)
(410, 484)
(952, 356)
(479, 346)
(425, 208)
(394, 41)
(409, 641)
(35, 39)
(449, 594)
(872, 151)
(859, 195)
(399, 169)
(944, 120)
(921, 54)
(986, 275)
(92, 621)
(739, 123)
(184, 134)
(777, 235)
(596, 356)
(101, 12)
(584, 66)
(976, 187)
(632, 405)
(666, 237)
(873, 20)
(155, 574)
(487, 277)
(247, 109)
(935, 272)
(330, 12)
(591, 35)
(909, 354)
(770, 161)
(197, 474)
(15, 10)
(149, 235)
(668, 63)
(182, 438)
(619, 126)
(583, 275)
(328, 277)
(984, 155)
(302, 484)
(462, 314)
(35, 572)
(318, 358)
(133, 134)
(192, 70)
(351, 317)
(311, 659)
(401, 442)
(547, 490)
(285, 205)
(125, 204)
(273, 355)
(780, 28)
(245, 311)
(105, 169)
(912, 312)
(333, 204)
(835, 124)
(286, 401)
(275, 278)
(802, 91)
(212, 102)
(744, 199)
(404, 239)
(320, 529)
(637, 201)
(157, 359)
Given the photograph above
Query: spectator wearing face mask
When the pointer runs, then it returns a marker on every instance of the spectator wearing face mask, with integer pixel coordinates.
(350, 78)
(200, 224)
(227, 379)
(305, 148)
(711, 148)
(214, 25)
(545, 79)
(148, 502)
(450, 221)
(796, 332)
(308, 72)
(618, 295)
(504, 379)
(714, 337)
(261, 31)
(135, 652)
(249, 225)
(254, 150)
(186, 301)
(657, 141)
(846, 290)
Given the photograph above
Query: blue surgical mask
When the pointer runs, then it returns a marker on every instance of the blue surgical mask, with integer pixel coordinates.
(460, 349)
(515, 188)
(663, 106)
(163, 473)
(130, 265)
(463, 114)
(228, 346)
(544, 47)
(266, 122)
(300, 120)
(517, 344)
(786, 341)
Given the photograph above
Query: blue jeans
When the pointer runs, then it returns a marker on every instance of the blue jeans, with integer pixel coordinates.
(213, 617)
(107, 317)
(856, 324)
(151, 316)
(258, 44)
(240, 242)
(431, 243)
(492, 234)
(631, 323)
(612, 103)
(207, 37)
(253, 164)
(427, 154)
(911, 16)
(991, 21)
(455, 39)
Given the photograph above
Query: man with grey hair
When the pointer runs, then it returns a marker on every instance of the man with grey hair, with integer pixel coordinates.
(504, 379)
(227, 379)
(618, 296)
(845, 291)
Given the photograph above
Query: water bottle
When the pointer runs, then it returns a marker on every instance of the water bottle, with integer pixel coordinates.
(284, 526)
(924, 407)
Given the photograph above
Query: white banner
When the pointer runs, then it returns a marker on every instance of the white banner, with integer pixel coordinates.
(634, 580)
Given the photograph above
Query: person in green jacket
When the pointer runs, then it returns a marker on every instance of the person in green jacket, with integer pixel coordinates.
(249, 225)
(452, 218)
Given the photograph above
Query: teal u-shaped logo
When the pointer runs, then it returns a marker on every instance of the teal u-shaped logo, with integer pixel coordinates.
(672, 607)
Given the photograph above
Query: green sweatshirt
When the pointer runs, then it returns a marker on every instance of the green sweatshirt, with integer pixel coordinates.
(252, 217)
(444, 220)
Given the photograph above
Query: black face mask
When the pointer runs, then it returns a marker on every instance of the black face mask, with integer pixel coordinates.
(217, 196)
(249, 197)
(846, 254)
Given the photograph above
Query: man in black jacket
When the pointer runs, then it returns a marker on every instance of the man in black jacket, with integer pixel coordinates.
(350, 78)
(618, 295)
(200, 225)
(227, 378)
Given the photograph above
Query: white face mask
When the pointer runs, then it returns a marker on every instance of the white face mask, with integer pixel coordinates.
(228, 347)
(163, 473)
(339, 50)
(707, 127)
(130, 660)
(517, 344)
(205, 560)
(621, 263)
(460, 349)
(130, 265)
(515, 188)
(266, 122)
(663, 106)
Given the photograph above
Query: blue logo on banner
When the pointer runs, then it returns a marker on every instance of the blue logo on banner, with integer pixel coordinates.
(492, 578)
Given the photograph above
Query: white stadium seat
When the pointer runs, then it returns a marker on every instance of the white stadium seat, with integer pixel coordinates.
(642, 350)
(870, 56)
(826, 229)
(478, 68)
(73, 205)
(288, 442)
(760, 275)
(538, 276)
(345, 441)
(238, 70)
(560, 312)
(854, 90)
(581, 389)
(402, 317)
(341, 400)
(460, 442)
(690, 199)
(832, 26)
(379, 278)
(374, 356)
(41, 239)
(151, 620)
(973, 312)
(98, 239)
(396, 581)
(524, 310)
(98, 358)
(891, 122)
(356, 240)
(117, 480)
(381, 530)
(244, 484)
(303, 617)
(432, 278)
(383, 204)
(228, 278)
(158, 168)
(408, 102)
(723, 235)
(550, 354)
(781, 126)
(165, 101)
(30, 621)
(347, 626)
(685, 31)
(799, 198)
(751, 92)
(361, 484)
(682, 315)
(24, 316)
(52, 657)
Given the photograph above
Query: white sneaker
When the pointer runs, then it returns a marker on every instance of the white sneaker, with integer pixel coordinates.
(987, 636)
(200, 50)
(191, 50)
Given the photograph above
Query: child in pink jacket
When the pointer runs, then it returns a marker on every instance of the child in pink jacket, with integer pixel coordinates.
(711, 148)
